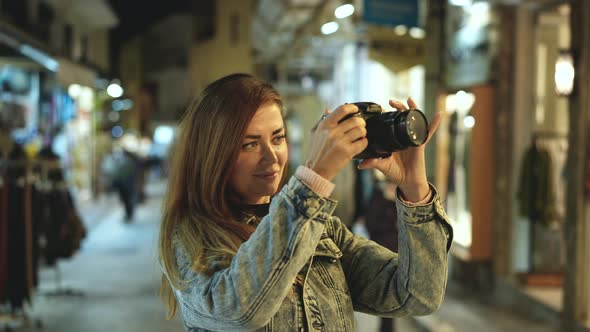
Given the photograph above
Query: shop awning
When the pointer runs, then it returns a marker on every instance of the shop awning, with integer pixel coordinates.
(21, 45)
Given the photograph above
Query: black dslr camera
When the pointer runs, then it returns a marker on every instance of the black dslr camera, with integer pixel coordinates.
(388, 132)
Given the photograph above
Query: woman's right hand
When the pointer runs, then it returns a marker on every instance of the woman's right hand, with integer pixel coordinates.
(335, 143)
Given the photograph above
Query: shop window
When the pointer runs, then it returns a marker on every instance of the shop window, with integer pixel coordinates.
(465, 177)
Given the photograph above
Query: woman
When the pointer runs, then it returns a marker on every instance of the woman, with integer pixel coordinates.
(241, 252)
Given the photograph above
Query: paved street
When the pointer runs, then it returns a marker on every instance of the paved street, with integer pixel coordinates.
(116, 273)
(112, 284)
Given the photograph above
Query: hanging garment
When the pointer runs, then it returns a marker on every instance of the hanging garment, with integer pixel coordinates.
(536, 190)
(557, 148)
(60, 225)
(73, 230)
(18, 291)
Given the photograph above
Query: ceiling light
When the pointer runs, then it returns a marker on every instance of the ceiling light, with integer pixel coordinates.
(329, 28)
(400, 30)
(344, 11)
(417, 33)
(460, 3)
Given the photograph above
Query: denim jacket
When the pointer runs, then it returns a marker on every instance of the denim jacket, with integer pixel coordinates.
(343, 272)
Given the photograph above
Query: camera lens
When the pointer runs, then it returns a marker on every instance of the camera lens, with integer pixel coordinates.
(388, 132)
(412, 128)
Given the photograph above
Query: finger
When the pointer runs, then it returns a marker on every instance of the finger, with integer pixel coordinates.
(412, 103)
(353, 122)
(434, 125)
(341, 112)
(359, 145)
(397, 105)
(369, 163)
(326, 113)
(355, 133)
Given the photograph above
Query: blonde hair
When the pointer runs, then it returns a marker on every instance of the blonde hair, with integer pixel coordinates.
(199, 210)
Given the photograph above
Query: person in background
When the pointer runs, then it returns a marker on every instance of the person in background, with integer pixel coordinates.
(379, 213)
(241, 248)
(125, 174)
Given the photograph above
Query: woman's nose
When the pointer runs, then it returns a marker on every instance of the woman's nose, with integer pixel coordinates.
(269, 154)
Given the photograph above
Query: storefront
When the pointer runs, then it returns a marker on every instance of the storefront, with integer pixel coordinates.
(25, 72)
(465, 141)
(549, 234)
(541, 130)
(76, 101)
(505, 159)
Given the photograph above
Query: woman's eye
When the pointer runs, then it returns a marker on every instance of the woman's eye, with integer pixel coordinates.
(249, 146)
(279, 139)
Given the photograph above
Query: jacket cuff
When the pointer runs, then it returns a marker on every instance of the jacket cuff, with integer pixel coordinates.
(308, 201)
(417, 212)
(424, 201)
(315, 181)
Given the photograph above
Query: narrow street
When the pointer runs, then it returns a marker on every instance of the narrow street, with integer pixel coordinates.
(114, 277)
(112, 283)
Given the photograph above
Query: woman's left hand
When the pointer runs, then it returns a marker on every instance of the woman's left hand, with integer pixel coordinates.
(407, 168)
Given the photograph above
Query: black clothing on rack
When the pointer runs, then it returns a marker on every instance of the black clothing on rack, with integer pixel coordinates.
(19, 270)
(61, 226)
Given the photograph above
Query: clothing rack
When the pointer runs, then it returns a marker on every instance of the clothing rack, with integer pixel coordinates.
(59, 289)
(43, 186)
(46, 184)
(12, 317)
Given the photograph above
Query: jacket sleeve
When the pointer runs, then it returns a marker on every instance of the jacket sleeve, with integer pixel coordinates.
(245, 295)
(410, 282)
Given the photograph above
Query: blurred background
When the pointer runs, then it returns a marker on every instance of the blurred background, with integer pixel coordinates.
(91, 92)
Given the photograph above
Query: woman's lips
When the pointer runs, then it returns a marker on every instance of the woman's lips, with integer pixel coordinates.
(267, 175)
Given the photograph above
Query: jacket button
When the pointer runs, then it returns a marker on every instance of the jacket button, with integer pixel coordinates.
(333, 260)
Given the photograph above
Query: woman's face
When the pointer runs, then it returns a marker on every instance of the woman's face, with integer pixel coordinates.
(257, 173)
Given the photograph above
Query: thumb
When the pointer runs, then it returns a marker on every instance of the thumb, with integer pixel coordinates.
(368, 163)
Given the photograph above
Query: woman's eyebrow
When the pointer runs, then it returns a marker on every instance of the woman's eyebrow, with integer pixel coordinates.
(258, 136)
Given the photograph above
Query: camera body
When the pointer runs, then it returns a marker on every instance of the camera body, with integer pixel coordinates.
(388, 132)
